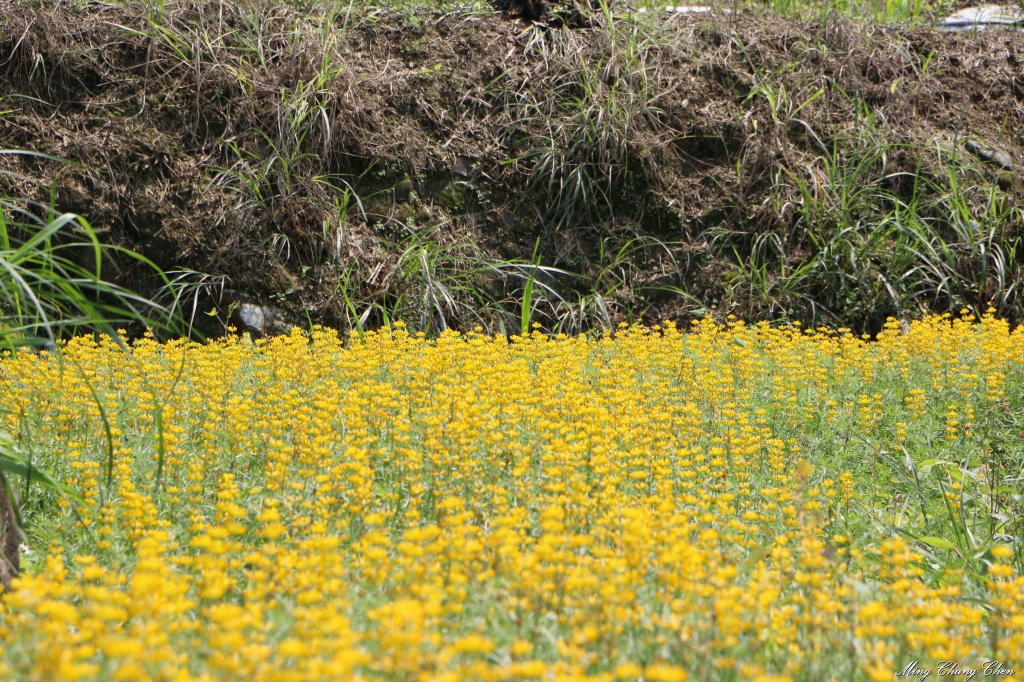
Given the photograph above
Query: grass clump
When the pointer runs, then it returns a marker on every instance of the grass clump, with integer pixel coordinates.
(740, 502)
(52, 283)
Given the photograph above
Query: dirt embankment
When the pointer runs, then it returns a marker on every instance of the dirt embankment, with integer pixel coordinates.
(367, 165)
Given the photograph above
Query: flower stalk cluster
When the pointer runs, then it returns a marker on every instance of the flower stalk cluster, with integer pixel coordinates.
(739, 502)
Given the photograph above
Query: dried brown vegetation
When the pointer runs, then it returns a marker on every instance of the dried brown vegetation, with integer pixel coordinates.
(361, 164)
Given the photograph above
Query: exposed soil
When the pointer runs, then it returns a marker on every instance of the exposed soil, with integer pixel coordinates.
(200, 156)
(10, 535)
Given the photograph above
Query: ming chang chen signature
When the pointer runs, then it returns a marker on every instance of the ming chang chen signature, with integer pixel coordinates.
(956, 670)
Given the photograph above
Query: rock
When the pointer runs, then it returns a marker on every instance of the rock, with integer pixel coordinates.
(453, 197)
(1008, 181)
(519, 221)
(683, 9)
(990, 154)
(253, 318)
(398, 203)
(982, 16)
(464, 168)
(405, 212)
(403, 190)
(259, 320)
(10, 534)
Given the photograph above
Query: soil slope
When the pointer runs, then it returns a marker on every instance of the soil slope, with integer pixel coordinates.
(335, 162)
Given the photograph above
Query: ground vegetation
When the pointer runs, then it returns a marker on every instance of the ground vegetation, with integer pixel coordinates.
(355, 163)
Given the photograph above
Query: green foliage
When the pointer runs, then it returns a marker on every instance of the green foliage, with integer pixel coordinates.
(872, 253)
(598, 112)
(14, 461)
(52, 282)
(865, 243)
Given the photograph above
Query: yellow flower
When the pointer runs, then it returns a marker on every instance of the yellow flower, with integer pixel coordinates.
(468, 507)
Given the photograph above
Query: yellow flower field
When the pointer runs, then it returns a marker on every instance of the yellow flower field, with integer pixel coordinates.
(737, 503)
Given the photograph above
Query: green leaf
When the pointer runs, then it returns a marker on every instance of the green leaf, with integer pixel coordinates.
(526, 311)
(14, 462)
(933, 541)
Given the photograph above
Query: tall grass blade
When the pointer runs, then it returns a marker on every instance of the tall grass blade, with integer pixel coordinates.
(14, 462)
(526, 311)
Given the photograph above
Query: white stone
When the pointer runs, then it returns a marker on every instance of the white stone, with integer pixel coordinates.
(984, 15)
(684, 9)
